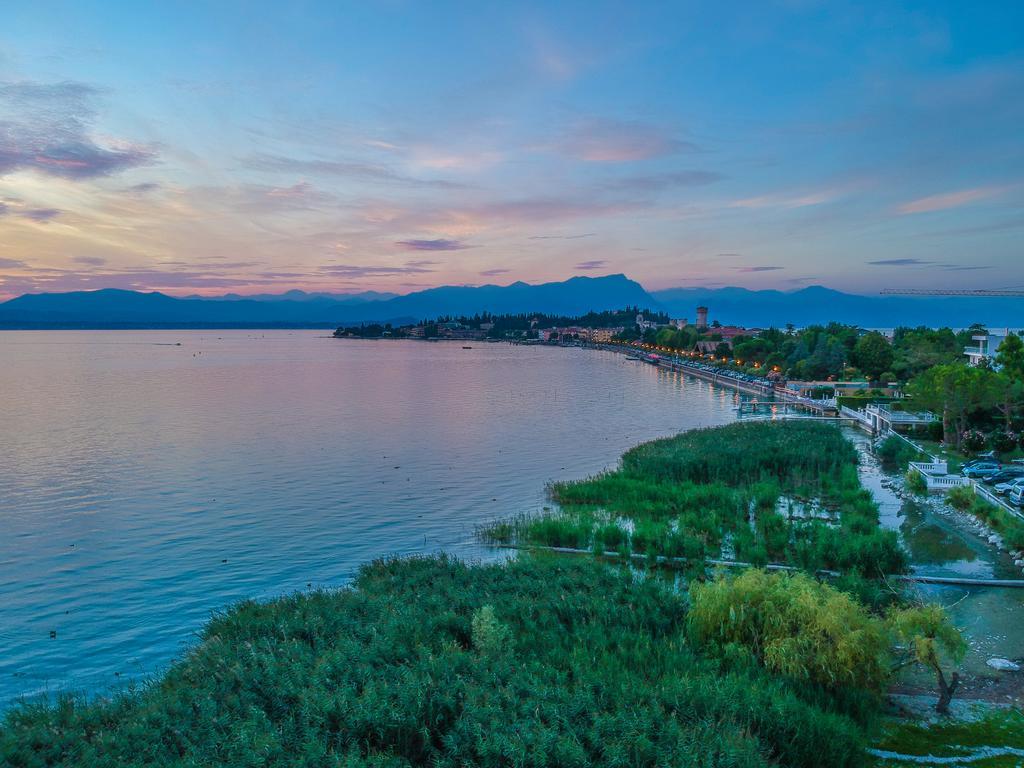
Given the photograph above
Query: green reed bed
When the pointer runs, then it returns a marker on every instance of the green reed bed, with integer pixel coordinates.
(431, 662)
(717, 493)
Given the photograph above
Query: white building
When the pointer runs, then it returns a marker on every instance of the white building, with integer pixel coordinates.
(645, 324)
(985, 348)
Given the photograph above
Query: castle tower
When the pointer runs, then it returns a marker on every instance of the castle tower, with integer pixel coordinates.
(702, 317)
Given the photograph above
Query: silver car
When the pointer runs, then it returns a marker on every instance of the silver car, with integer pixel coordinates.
(1009, 486)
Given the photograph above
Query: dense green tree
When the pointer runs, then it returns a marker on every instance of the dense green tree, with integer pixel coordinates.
(915, 350)
(1010, 357)
(958, 391)
(1007, 395)
(873, 354)
(676, 338)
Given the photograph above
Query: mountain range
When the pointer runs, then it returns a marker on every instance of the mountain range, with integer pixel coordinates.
(115, 308)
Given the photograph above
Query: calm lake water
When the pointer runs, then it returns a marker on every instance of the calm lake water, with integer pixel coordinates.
(145, 485)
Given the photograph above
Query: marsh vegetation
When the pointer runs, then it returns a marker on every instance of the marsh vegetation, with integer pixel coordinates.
(740, 491)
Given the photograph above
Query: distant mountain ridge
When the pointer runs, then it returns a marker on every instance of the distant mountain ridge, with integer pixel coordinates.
(297, 295)
(817, 304)
(114, 308)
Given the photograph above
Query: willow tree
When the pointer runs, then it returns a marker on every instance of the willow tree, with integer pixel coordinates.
(925, 636)
(794, 626)
(801, 628)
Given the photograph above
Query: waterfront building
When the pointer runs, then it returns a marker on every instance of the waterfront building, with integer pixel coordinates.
(603, 335)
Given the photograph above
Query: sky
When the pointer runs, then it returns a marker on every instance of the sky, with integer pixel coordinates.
(255, 147)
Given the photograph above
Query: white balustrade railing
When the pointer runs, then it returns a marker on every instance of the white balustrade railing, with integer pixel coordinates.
(931, 467)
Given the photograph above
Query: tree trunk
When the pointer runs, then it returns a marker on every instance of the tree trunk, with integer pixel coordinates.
(946, 431)
(945, 690)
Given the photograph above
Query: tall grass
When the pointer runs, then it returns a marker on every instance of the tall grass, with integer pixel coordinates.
(687, 494)
(431, 662)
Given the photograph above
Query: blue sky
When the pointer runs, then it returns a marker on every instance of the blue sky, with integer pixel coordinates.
(255, 147)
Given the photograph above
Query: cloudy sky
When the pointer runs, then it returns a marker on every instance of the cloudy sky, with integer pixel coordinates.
(259, 147)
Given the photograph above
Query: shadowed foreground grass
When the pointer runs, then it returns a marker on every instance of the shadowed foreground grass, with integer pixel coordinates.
(539, 662)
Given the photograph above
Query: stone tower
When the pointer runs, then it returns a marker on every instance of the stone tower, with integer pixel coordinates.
(702, 317)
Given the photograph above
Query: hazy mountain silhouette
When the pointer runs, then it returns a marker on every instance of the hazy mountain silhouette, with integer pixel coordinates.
(114, 308)
(297, 295)
(817, 304)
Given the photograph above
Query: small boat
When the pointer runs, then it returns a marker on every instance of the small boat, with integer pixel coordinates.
(467, 347)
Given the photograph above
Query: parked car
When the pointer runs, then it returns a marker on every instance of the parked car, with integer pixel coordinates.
(1016, 496)
(1004, 475)
(1009, 486)
(973, 462)
(981, 469)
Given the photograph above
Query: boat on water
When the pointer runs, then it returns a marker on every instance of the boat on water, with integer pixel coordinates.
(467, 347)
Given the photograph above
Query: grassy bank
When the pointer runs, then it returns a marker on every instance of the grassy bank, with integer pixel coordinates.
(540, 662)
(995, 740)
(1010, 527)
(785, 492)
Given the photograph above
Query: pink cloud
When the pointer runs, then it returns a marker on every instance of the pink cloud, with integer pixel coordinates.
(948, 200)
(787, 201)
(613, 141)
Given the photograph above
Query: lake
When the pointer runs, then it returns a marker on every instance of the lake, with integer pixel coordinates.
(151, 478)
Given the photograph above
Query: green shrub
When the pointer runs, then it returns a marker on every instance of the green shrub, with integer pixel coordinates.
(961, 498)
(915, 482)
(895, 453)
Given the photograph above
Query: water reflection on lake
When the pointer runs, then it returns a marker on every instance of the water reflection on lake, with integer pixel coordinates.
(144, 485)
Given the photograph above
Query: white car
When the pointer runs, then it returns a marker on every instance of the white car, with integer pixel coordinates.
(1016, 496)
(1009, 486)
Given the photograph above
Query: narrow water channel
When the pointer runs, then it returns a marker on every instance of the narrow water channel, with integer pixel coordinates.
(939, 545)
